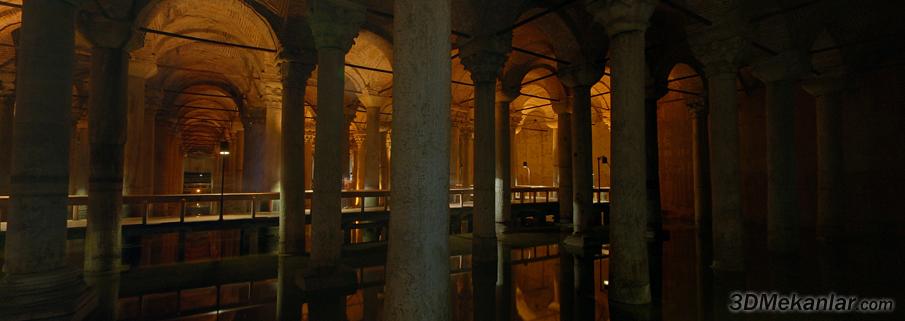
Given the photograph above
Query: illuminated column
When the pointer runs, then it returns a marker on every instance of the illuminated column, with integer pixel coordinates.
(718, 49)
(780, 74)
(564, 155)
(484, 57)
(503, 159)
(296, 68)
(38, 284)
(334, 25)
(579, 79)
(626, 23)
(139, 136)
(372, 146)
(830, 185)
(417, 282)
(254, 162)
(700, 162)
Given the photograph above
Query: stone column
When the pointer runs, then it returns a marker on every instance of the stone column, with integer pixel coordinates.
(417, 282)
(579, 79)
(334, 25)
(718, 50)
(296, 68)
(254, 166)
(107, 123)
(139, 136)
(780, 74)
(38, 284)
(830, 185)
(504, 159)
(309, 158)
(564, 156)
(468, 158)
(626, 22)
(700, 153)
(484, 57)
(372, 147)
(455, 166)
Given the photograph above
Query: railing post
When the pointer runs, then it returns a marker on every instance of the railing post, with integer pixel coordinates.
(146, 211)
(254, 207)
(362, 199)
(182, 210)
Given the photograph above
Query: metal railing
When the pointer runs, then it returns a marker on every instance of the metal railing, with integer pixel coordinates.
(163, 206)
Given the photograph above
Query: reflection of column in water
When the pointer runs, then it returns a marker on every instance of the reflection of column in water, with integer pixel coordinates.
(584, 305)
(484, 278)
(505, 289)
(566, 286)
(289, 301)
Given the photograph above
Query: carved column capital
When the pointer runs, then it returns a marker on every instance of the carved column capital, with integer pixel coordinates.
(335, 23)
(295, 69)
(110, 26)
(581, 75)
(719, 51)
(485, 55)
(620, 16)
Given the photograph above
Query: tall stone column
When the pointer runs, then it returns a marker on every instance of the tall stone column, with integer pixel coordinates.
(718, 49)
(139, 136)
(700, 153)
(626, 23)
(780, 74)
(455, 166)
(334, 25)
(468, 157)
(579, 79)
(417, 281)
(564, 155)
(254, 161)
(504, 159)
(296, 68)
(484, 57)
(372, 147)
(38, 284)
(107, 123)
(828, 91)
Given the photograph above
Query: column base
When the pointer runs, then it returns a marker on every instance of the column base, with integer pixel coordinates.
(585, 244)
(328, 281)
(629, 294)
(55, 295)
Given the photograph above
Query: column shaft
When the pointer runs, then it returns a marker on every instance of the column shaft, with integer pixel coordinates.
(486, 195)
(564, 153)
(503, 167)
(651, 147)
(292, 175)
(253, 170)
(327, 237)
(418, 252)
(582, 161)
(38, 283)
(629, 205)
(782, 194)
(372, 147)
(701, 169)
(830, 185)
(7, 103)
(728, 223)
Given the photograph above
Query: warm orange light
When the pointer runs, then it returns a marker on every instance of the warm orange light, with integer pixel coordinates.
(198, 190)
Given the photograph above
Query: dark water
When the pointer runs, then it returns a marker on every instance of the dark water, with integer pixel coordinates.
(232, 275)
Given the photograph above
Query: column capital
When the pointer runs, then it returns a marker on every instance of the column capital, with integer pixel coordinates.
(620, 16)
(295, 69)
(562, 107)
(104, 31)
(783, 66)
(825, 84)
(718, 50)
(335, 23)
(581, 75)
(485, 55)
(506, 94)
(372, 101)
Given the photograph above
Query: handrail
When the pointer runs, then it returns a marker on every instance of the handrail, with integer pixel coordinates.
(81, 200)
